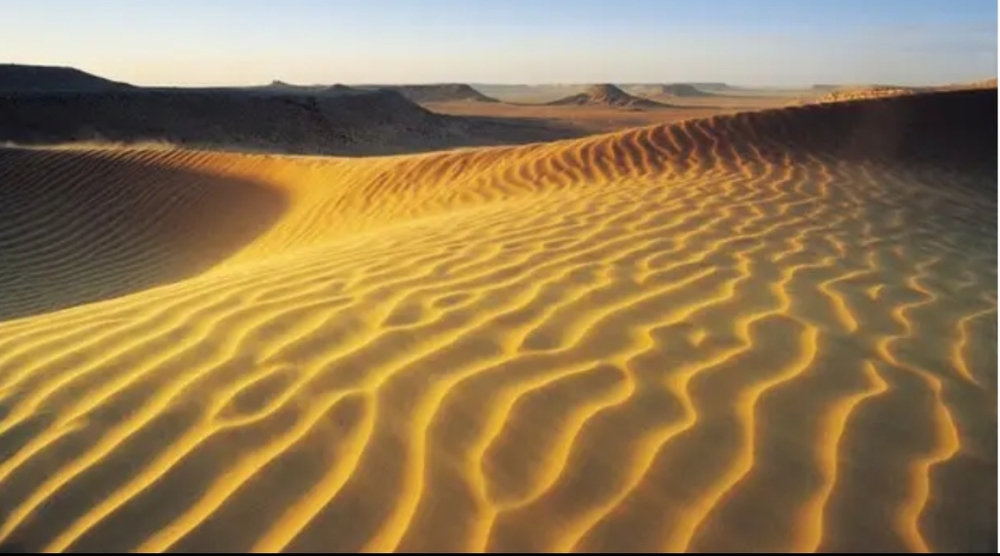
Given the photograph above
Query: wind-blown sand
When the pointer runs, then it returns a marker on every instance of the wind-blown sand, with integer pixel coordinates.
(769, 331)
(863, 93)
(842, 94)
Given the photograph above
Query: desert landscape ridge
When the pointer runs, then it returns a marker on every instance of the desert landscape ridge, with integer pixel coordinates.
(607, 94)
(765, 331)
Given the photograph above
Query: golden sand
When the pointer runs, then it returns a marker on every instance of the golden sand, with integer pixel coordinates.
(741, 333)
(864, 93)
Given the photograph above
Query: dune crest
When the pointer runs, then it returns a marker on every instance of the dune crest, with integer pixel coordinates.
(766, 331)
(864, 93)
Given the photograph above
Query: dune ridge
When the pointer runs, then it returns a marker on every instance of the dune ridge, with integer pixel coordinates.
(765, 331)
(862, 93)
(842, 94)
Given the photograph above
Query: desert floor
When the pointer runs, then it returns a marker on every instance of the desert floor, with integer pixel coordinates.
(770, 331)
(596, 119)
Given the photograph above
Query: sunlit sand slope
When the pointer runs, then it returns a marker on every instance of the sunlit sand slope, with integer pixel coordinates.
(773, 331)
(865, 93)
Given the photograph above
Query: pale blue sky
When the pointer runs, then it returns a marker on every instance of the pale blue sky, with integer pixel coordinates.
(777, 42)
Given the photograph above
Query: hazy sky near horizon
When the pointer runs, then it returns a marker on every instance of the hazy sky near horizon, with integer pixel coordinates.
(753, 42)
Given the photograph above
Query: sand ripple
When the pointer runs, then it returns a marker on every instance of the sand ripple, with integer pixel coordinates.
(708, 336)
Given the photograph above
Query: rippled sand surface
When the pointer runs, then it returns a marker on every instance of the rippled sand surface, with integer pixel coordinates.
(772, 331)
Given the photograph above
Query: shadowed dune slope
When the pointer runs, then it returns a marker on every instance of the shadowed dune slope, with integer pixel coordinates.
(773, 331)
(81, 226)
(941, 129)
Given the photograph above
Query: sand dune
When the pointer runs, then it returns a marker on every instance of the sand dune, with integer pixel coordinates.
(607, 95)
(768, 331)
(846, 94)
(136, 223)
(864, 93)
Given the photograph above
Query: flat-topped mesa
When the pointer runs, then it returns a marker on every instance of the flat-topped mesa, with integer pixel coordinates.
(606, 94)
(16, 78)
(713, 87)
(443, 92)
(217, 118)
(339, 88)
(682, 90)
